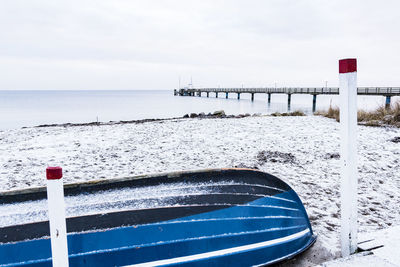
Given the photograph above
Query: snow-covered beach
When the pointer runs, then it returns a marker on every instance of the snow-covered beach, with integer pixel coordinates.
(303, 151)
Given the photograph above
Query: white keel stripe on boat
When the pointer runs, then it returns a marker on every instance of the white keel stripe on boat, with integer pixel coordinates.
(224, 251)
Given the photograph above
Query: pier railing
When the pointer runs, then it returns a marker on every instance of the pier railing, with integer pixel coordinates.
(384, 91)
(388, 92)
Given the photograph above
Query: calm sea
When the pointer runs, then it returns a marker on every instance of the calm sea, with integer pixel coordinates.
(30, 108)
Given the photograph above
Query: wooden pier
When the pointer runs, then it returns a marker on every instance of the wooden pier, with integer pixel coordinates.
(388, 92)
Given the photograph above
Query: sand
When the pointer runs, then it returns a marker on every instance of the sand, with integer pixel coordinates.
(303, 151)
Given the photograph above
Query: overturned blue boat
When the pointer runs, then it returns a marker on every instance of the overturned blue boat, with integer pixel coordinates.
(219, 217)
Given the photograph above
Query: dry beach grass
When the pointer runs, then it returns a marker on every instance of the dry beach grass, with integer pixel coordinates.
(379, 117)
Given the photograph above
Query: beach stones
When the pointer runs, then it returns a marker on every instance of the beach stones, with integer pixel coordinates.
(219, 113)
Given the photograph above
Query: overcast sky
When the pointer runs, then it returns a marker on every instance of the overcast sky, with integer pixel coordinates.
(117, 44)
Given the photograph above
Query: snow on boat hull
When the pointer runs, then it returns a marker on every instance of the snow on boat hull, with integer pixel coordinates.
(250, 218)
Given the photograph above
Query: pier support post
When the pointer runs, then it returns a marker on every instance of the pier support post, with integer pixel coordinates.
(252, 96)
(208, 94)
(387, 103)
(348, 155)
(216, 95)
(199, 94)
(238, 95)
(269, 98)
(58, 229)
(289, 99)
(226, 95)
(314, 103)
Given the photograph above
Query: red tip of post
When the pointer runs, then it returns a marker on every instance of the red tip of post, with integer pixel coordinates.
(347, 65)
(53, 173)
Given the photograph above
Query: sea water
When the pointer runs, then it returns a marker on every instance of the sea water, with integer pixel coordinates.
(31, 108)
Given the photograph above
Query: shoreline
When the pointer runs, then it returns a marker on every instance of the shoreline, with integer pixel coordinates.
(216, 115)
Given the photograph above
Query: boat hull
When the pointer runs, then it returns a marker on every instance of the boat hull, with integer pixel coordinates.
(254, 219)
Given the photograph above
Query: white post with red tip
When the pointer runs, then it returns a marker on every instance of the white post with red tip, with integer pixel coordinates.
(58, 229)
(348, 154)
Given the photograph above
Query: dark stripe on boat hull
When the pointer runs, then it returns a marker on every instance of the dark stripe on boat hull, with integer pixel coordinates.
(196, 204)
(240, 175)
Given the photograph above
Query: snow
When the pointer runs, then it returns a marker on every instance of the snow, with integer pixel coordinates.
(311, 143)
(386, 243)
(382, 245)
(108, 201)
(359, 260)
